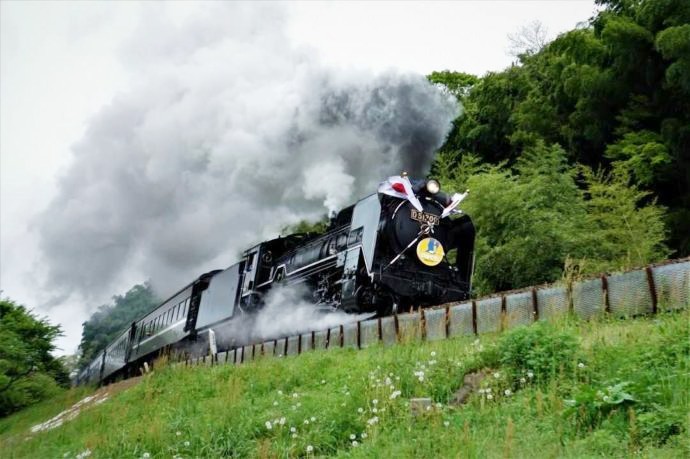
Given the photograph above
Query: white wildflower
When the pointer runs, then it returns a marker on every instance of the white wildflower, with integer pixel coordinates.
(428, 408)
(395, 394)
(293, 429)
(281, 421)
(355, 444)
(310, 448)
(312, 419)
(306, 422)
(523, 380)
(294, 435)
(360, 410)
(446, 423)
(269, 426)
(280, 392)
(295, 395)
(497, 375)
(388, 381)
(299, 404)
(482, 391)
(363, 435)
(433, 353)
(187, 443)
(508, 392)
(146, 456)
(353, 436)
(421, 379)
(439, 405)
(374, 410)
(432, 362)
(178, 433)
(323, 381)
(580, 365)
(489, 397)
(530, 374)
(375, 402)
(373, 420)
(488, 390)
(275, 403)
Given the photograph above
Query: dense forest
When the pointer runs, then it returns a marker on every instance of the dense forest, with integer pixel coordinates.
(614, 96)
(577, 156)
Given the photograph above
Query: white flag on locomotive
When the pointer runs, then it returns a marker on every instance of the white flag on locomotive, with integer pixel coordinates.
(400, 187)
(455, 200)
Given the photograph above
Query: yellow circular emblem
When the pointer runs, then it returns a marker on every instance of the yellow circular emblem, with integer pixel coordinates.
(430, 251)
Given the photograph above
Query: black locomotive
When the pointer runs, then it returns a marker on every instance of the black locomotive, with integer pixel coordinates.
(405, 246)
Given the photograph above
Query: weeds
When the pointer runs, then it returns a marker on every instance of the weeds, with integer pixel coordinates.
(564, 389)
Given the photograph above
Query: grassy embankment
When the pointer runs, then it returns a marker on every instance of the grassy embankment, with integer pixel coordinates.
(572, 389)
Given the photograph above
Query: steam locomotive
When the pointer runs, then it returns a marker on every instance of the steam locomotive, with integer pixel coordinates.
(406, 246)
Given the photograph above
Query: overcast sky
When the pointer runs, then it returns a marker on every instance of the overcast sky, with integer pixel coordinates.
(62, 62)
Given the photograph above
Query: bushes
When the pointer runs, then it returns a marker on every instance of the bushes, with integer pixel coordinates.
(28, 371)
(533, 216)
(540, 350)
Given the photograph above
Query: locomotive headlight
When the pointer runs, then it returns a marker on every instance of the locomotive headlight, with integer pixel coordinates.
(433, 187)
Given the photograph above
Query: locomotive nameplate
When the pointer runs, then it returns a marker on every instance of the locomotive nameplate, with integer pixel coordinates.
(423, 217)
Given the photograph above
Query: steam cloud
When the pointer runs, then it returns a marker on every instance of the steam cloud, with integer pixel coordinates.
(229, 134)
(286, 312)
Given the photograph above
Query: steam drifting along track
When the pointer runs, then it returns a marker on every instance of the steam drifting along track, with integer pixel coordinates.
(656, 288)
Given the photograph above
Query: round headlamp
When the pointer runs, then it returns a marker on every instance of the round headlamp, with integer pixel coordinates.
(432, 186)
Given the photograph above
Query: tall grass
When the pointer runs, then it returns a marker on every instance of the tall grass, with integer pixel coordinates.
(571, 389)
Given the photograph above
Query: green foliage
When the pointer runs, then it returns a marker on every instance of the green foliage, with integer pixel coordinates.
(614, 92)
(621, 231)
(592, 405)
(28, 371)
(304, 226)
(459, 84)
(641, 152)
(109, 320)
(532, 217)
(223, 411)
(540, 349)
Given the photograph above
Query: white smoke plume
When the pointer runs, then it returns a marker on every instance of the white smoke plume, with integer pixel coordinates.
(229, 134)
(288, 313)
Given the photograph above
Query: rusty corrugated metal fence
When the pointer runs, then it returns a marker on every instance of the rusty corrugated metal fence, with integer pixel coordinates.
(656, 288)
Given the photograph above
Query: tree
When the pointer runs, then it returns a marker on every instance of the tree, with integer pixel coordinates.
(109, 320)
(615, 94)
(530, 39)
(28, 370)
(534, 215)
